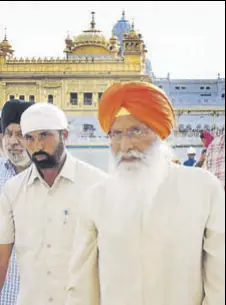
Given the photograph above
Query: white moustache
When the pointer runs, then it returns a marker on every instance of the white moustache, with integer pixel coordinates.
(131, 154)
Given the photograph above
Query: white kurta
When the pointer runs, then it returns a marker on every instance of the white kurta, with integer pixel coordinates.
(41, 221)
(168, 253)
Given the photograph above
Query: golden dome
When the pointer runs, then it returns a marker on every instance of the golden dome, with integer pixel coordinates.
(91, 36)
(5, 47)
(5, 44)
(114, 38)
(132, 34)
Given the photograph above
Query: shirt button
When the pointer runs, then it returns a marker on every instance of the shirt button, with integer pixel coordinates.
(49, 246)
(50, 220)
(49, 273)
(50, 300)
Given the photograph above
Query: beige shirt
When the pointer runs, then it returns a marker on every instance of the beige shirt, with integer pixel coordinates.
(166, 252)
(41, 221)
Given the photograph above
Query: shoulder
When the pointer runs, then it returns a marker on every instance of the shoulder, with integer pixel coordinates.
(16, 183)
(195, 178)
(197, 190)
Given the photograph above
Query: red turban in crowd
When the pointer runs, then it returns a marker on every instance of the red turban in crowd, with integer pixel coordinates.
(146, 102)
(208, 138)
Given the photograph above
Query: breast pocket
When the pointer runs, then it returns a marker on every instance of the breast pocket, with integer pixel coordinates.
(28, 231)
(65, 228)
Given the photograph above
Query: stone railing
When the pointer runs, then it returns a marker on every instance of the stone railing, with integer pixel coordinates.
(79, 60)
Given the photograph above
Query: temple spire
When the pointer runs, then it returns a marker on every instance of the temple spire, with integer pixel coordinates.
(5, 38)
(133, 25)
(93, 23)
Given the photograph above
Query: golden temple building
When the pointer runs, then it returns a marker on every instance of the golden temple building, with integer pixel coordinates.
(75, 83)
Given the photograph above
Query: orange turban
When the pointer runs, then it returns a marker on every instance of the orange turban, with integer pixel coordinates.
(146, 102)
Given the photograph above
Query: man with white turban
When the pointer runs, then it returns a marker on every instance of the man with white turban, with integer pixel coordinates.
(15, 161)
(38, 208)
(141, 238)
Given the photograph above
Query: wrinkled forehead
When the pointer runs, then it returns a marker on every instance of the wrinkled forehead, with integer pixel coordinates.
(126, 121)
(13, 127)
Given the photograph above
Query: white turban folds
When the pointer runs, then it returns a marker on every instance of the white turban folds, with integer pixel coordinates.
(43, 116)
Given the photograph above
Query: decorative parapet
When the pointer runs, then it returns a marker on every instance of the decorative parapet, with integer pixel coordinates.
(79, 65)
(77, 60)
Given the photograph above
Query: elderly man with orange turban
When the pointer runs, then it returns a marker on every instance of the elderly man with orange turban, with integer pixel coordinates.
(141, 238)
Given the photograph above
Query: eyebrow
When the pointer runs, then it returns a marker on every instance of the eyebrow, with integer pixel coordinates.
(135, 126)
(9, 130)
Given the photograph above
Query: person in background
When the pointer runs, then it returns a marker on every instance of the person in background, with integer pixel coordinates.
(191, 152)
(38, 208)
(215, 159)
(206, 138)
(142, 238)
(16, 160)
(202, 160)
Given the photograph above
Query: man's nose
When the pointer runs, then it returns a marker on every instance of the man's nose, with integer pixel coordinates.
(126, 144)
(38, 145)
(14, 140)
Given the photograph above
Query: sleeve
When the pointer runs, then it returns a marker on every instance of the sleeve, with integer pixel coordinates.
(7, 228)
(83, 286)
(214, 249)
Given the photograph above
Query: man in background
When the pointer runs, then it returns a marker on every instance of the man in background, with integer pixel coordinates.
(206, 138)
(202, 159)
(16, 160)
(215, 160)
(191, 152)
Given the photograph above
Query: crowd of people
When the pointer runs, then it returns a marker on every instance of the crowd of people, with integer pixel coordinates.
(195, 132)
(136, 235)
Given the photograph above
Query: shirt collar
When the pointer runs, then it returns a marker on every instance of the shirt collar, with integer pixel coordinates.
(67, 171)
(8, 165)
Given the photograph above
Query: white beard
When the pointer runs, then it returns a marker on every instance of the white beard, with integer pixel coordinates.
(134, 185)
(22, 160)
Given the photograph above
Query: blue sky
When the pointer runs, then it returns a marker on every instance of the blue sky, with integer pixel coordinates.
(185, 38)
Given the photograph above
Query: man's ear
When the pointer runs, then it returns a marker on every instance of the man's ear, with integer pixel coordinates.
(65, 135)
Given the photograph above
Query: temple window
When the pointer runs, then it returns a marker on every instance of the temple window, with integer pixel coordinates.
(50, 99)
(12, 97)
(88, 99)
(32, 98)
(21, 97)
(74, 98)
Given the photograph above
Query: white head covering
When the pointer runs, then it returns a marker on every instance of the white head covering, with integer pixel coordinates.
(43, 116)
(191, 151)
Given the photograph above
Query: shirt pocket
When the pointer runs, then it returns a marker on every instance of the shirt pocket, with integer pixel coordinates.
(28, 233)
(65, 229)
